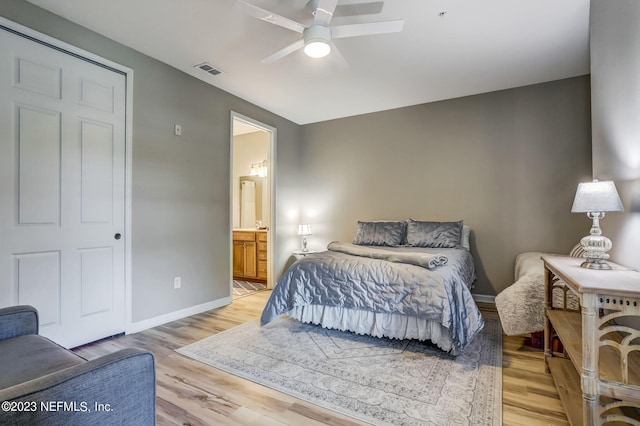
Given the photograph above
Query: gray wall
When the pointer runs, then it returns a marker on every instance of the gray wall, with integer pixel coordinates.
(506, 162)
(181, 212)
(615, 87)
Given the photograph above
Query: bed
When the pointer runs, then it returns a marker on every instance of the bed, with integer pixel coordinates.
(401, 279)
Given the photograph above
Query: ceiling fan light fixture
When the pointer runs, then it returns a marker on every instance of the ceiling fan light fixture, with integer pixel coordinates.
(317, 49)
(317, 41)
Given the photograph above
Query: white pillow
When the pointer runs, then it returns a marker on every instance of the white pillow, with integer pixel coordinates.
(529, 264)
(464, 237)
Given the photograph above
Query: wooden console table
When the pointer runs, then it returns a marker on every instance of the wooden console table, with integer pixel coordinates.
(598, 371)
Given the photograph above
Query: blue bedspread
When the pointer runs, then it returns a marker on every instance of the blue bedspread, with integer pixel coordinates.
(334, 278)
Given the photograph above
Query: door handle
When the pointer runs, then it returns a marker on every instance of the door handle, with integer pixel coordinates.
(117, 236)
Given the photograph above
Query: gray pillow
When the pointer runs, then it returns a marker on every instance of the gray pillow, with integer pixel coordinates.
(380, 233)
(434, 234)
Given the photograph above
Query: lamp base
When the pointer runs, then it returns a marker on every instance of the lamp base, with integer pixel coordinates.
(596, 264)
(596, 246)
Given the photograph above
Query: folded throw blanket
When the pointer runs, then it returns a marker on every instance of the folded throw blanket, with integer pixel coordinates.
(425, 260)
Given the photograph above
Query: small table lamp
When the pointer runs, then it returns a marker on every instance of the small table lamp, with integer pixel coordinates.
(304, 230)
(595, 198)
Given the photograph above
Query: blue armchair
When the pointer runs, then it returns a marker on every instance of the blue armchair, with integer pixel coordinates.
(42, 383)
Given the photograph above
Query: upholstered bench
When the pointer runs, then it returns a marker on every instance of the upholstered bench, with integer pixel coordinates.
(521, 305)
(42, 383)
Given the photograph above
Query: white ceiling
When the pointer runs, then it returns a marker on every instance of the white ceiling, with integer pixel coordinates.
(475, 47)
(242, 128)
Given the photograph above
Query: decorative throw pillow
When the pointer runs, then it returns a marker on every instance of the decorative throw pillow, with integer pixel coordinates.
(434, 234)
(380, 233)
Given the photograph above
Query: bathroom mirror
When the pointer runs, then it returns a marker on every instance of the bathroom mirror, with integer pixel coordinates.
(253, 202)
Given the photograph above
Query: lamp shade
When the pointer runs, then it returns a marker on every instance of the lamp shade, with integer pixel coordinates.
(597, 196)
(304, 229)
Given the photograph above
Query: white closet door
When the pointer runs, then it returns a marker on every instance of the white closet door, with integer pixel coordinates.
(62, 168)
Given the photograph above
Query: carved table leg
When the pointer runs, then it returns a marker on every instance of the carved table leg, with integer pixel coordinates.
(590, 359)
(548, 288)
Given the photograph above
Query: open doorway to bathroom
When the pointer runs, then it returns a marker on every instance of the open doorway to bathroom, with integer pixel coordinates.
(252, 204)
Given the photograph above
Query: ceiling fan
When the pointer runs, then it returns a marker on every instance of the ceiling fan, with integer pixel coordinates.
(317, 38)
(344, 7)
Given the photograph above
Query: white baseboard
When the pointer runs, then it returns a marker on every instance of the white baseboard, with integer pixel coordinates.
(484, 298)
(176, 315)
(139, 326)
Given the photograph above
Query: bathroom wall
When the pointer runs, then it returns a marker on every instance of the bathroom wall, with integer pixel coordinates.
(248, 149)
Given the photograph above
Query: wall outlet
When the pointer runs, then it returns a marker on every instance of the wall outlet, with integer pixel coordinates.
(177, 282)
(178, 130)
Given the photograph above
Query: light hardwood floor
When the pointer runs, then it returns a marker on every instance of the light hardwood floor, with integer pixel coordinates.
(192, 393)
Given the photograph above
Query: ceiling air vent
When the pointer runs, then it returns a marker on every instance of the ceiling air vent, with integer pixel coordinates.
(207, 67)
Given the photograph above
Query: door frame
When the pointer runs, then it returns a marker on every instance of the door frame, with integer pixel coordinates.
(61, 46)
(271, 182)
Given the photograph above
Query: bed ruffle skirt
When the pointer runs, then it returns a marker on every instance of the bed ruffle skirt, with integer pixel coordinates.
(378, 324)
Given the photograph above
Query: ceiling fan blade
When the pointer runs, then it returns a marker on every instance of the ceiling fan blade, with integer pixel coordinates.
(324, 12)
(338, 58)
(265, 15)
(283, 52)
(353, 8)
(371, 28)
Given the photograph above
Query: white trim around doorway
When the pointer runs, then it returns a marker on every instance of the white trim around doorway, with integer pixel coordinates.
(271, 180)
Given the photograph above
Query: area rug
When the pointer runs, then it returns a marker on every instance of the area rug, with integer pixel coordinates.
(245, 288)
(379, 381)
